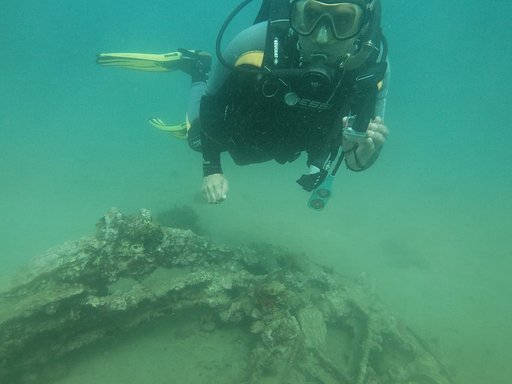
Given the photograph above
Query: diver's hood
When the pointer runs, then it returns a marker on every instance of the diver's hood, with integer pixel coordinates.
(368, 40)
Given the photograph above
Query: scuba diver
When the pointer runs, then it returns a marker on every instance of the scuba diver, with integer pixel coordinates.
(308, 76)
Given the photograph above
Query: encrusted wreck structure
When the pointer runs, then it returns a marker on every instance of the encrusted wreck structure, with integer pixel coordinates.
(305, 323)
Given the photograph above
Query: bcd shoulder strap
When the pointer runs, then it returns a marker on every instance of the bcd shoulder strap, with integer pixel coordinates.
(273, 10)
(279, 38)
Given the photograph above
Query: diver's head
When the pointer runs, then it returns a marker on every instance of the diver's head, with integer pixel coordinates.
(329, 29)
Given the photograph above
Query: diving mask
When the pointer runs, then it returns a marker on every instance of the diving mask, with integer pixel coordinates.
(345, 18)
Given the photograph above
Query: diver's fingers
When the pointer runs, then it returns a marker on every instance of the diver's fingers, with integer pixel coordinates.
(224, 190)
(215, 188)
(208, 192)
(377, 138)
(378, 131)
(217, 194)
(208, 195)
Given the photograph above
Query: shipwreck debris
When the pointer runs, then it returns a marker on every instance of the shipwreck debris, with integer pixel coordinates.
(306, 323)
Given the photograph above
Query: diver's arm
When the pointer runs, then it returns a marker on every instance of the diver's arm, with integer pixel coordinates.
(380, 107)
(213, 143)
(215, 185)
(361, 155)
(214, 136)
(213, 133)
(218, 96)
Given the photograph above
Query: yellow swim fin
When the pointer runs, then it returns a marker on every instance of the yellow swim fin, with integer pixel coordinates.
(179, 131)
(194, 62)
(165, 62)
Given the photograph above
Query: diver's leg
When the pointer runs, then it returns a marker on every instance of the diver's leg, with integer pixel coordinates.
(194, 133)
(196, 63)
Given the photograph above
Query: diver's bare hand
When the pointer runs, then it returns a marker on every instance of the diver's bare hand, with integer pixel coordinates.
(367, 149)
(215, 188)
(376, 135)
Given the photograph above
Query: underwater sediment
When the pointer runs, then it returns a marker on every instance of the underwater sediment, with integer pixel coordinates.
(305, 323)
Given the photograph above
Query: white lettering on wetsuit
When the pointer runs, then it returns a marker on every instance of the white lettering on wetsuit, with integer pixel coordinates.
(276, 51)
(308, 103)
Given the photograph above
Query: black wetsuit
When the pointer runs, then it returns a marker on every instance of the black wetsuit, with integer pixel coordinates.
(236, 115)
